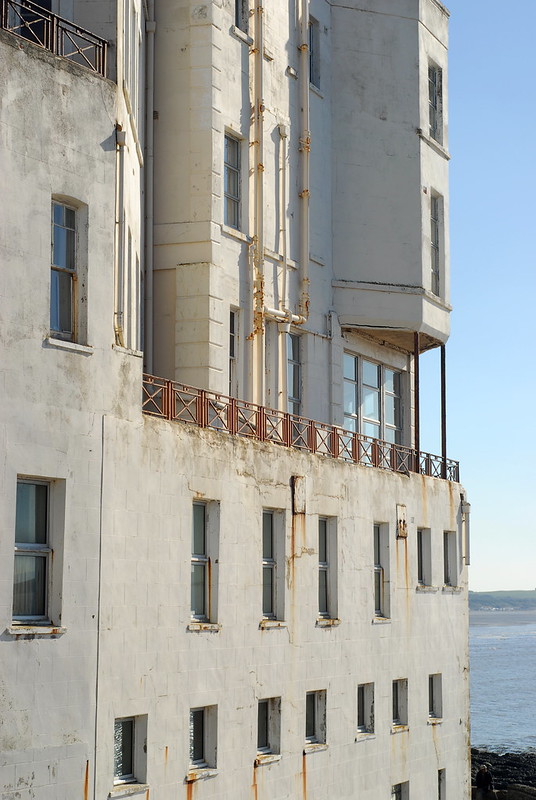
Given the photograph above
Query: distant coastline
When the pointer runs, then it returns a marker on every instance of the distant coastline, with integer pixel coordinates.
(503, 601)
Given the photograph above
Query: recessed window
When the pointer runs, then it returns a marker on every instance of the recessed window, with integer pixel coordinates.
(32, 552)
(381, 570)
(435, 102)
(268, 725)
(233, 353)
(441, 784)
(400, 791)
(400, 702)
(450, 572)
(315, 717)
(203, 736)
(232, 191)
(365, 708)
(204, 557)
(130, 748)
(372, 399)
(314, 52)
(63, 272)
(273, 559)
(241, 8)
(436, 210)
(435, 696)
(424, 557)
(327, 568)
(294, 373)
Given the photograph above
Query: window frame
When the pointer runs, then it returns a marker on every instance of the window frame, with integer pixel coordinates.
(294, 373)
(313, 44)
(435, 102)
(435, 696)
(272, 560)
(315, 717)
(357, 420)
(241, 15)
(125, 777)
(365, 708)
(209, 733)
(233, 351)
(400, 791)
(424, 557)
(399, 695)
(450, 556)
(436, 242)
(37, 550)
(71, 272)
(232, 168)
(205, 562)
(381, 571)
(271, 726)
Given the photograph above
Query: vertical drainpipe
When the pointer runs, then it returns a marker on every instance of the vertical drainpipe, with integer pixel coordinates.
(284, 327)
(120, 137)
(258, 257)
(150, 28)
(443, 412)
(305, 149)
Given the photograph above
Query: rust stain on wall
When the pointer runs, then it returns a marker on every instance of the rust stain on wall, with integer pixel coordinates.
(86, 782)
(166, 754)
(304, 776)
(189, 790)
(254, 784)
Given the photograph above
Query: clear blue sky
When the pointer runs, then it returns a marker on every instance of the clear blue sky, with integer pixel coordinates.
(491, 381)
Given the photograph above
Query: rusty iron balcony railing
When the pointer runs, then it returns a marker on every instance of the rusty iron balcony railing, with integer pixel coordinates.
(175, 401)
(35, 24)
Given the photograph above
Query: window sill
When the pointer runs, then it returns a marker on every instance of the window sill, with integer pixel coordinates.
(241, 35)
(315, 747)
(129, 789)
(209, 627)
(363, 736)
(381, 620)
(316, 90)
(399, 729)
(451, 589)
(425, 589)
(234, 233)
(35, 630)
(328, 622)
(200, 774)
(271, 624)
(63, 344)
(128, 351)
(435, 721)
(267, 758)
(434, 144)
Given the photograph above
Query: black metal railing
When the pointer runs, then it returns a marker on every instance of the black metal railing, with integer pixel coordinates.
(35, 24)
(177, 402)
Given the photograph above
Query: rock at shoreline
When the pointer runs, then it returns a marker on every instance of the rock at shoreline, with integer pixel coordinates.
(508, 769)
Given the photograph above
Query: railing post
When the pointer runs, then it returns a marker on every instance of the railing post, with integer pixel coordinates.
(334, 442)
(355, 448)
(232, 415)
(261, 423)
(286, 429)
(167, 400)
(311, 436)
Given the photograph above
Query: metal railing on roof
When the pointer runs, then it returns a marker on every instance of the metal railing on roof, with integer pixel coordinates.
(35, 24)
(177, 402)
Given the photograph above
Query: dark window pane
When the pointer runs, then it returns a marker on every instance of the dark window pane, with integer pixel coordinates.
(267, 590)
(198, 590)
(262, 726)
(197, 735)
(323, 591)
(31, 514)
(267, 535)
(310, 716)
(198, 531)
(123, 748)
(29, 586)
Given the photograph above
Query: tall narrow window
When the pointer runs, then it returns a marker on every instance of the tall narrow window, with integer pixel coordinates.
(315, 717)
(124, 750)
(365, 708)
(435, 244)
(381, 570)
(450, 576)
(241, 14)
(314, 52)
(232, 198)
(424, 557)
(400, 702)
(435, 696)
(63, 272)
(372, 399)
(268, 725)
(200, 577)
(269, 565)
(203, 737)
(441, 784)
(32, 552)
(435, 110)
(294, 373)
(400, 791)
(233, 351)
(323, 568)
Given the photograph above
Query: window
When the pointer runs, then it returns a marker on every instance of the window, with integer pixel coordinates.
(314, 52)
(241, 14)
(204, 559)
(435, 104)
(32, 552)
(130, 748)
(372, 399)
(441, 784)
(365, 708)
(400, 702)
(231, 214)
(315, 717)
(327, 568)
(381, 570)
(63, 274)
(233, 353)
(272, 555)
(450, 577)
(424, 557)
(435, 242)
(293, 374)
(400, 791)
(435, 696)
(268, 725)
(203, 736)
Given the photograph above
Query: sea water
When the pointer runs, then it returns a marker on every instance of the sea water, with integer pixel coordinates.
(503, 680)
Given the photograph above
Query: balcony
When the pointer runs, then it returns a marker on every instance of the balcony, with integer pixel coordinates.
(179, 403)
(61, 37)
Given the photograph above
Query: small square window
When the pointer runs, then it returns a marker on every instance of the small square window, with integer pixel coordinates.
(365, 708)
(315, 717)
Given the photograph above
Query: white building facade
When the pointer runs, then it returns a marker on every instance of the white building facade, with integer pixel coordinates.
(227, 569)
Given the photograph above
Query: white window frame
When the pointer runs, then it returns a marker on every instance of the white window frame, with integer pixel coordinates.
(39, 551)
(205, 562)
(435, 102)
(400, 702)
(138, 750)
(354, 385)
(294, 373)
(232, 168)
(64, 277)
(365, 708)
(315, 717)
(269, 717)
(209, 721)
(435, 696)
